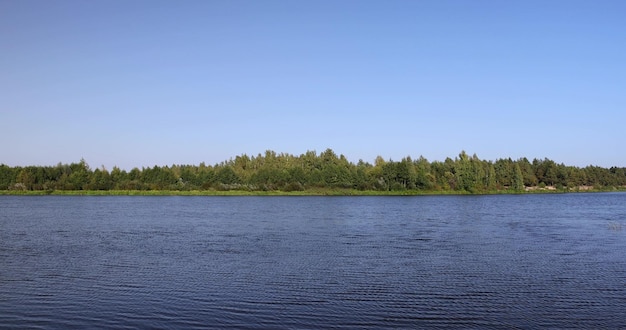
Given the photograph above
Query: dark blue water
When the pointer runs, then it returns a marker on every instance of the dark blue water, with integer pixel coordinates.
(502, 262)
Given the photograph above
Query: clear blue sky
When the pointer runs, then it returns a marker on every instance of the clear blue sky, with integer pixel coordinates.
(143, 83)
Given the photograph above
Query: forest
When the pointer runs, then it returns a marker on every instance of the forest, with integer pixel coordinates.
(311, 171)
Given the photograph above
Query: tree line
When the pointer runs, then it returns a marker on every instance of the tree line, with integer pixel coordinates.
(273, 171)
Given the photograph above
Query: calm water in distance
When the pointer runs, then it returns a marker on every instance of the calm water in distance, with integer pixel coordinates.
(488, 262)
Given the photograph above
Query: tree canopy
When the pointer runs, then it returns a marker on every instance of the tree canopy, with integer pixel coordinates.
(273, 171)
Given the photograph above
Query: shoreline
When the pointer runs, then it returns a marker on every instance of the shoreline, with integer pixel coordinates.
(311, 192)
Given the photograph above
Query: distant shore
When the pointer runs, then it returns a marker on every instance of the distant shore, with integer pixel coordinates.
(313, 173)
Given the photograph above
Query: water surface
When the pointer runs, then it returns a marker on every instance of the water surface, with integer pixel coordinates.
(501, 262)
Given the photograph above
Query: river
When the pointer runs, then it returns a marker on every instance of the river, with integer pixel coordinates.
(488, 262)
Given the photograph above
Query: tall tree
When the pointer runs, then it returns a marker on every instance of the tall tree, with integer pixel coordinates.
(518, 179)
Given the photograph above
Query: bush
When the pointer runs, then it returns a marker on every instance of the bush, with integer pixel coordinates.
(293, 186)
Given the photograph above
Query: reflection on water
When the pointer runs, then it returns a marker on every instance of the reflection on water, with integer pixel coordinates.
(522, 261)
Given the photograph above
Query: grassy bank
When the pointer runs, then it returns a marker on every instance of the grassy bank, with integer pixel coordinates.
(309, 192)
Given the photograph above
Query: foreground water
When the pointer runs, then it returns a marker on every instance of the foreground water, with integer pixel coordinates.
(522, 261)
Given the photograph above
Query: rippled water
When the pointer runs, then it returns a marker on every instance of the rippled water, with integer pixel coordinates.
(518, 261)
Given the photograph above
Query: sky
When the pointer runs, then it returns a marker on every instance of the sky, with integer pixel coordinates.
(148, 82)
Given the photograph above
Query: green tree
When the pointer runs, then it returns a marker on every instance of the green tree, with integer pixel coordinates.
(25, 179)
(118, 177)
(100, 180)
(490, 180)
(227, 176)
(424, 179)
(504, 172)
(7, 176)
(79, 176)
(527, 172)
(518, 178)
(406, 174)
